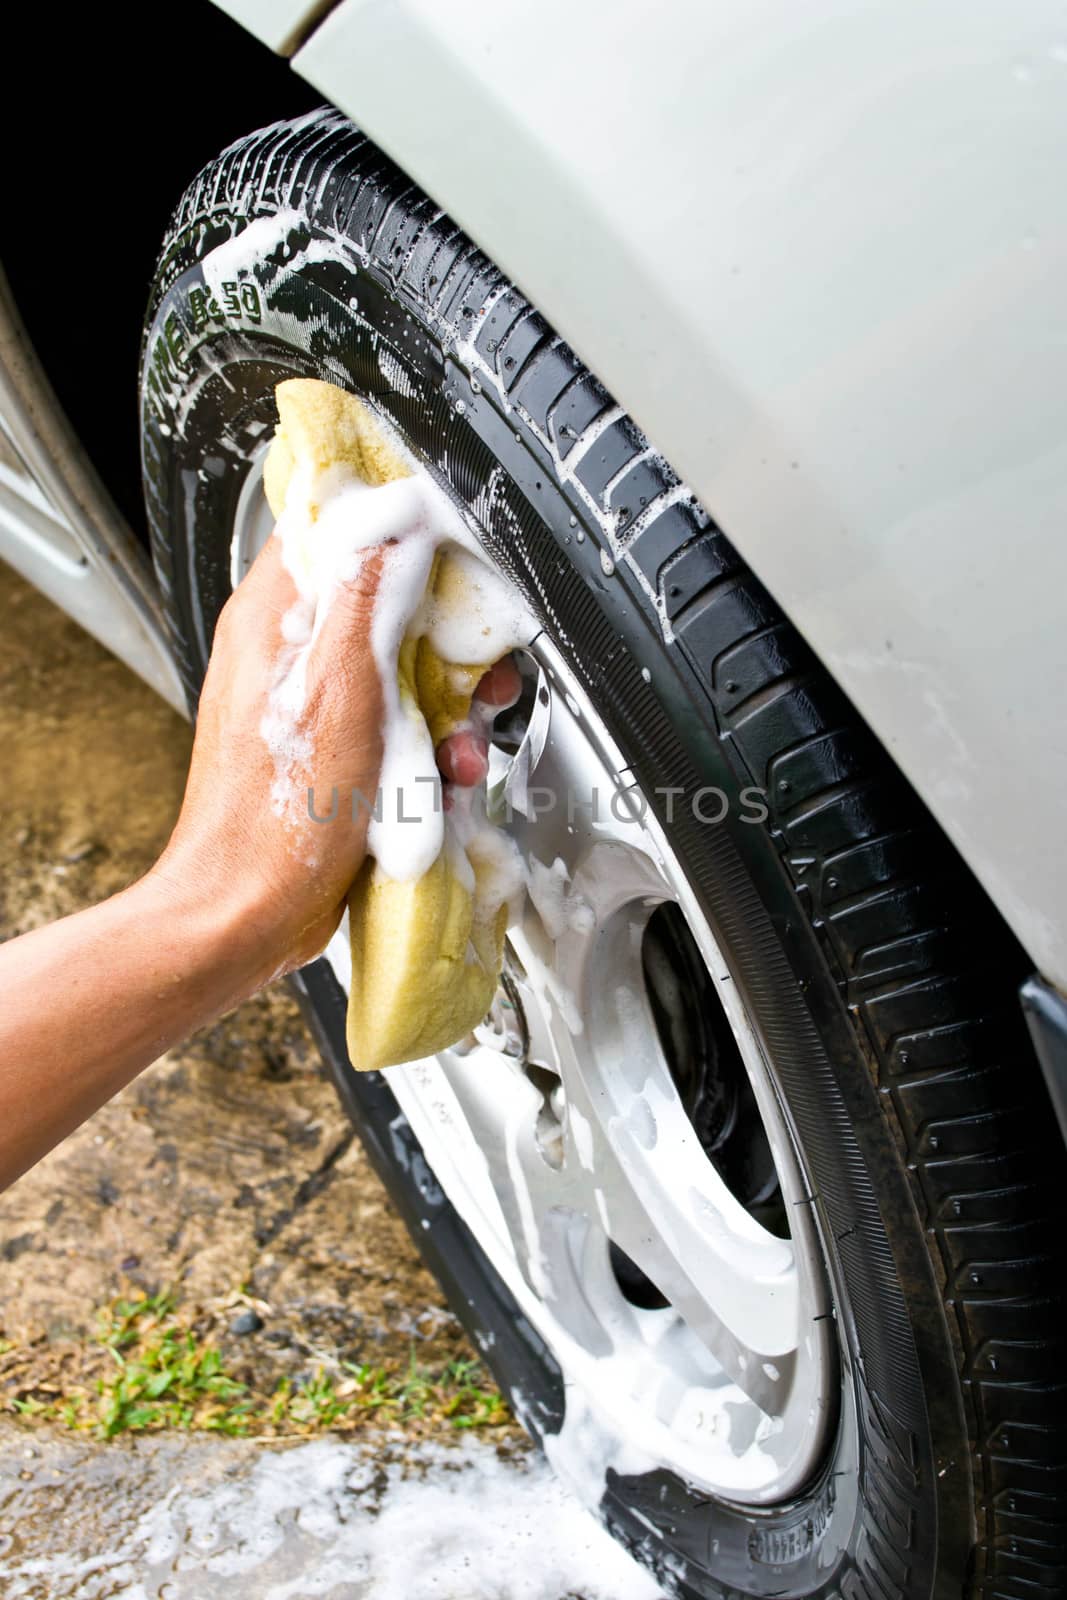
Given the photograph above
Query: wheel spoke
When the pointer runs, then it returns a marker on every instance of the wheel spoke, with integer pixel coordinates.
(563, 795)
(691, 1239)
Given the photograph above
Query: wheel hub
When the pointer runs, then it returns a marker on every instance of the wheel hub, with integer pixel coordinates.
(635, 1172)
(611, 1132)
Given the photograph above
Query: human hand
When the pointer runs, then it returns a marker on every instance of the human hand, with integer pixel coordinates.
(464, 757)
(271, 873)
(246, 889)
(275, 876)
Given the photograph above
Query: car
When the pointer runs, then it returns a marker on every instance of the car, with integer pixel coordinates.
(734, 331)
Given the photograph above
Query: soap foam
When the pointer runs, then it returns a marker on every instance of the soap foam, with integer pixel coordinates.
(491, 624)
(333, 522)
(558, 909)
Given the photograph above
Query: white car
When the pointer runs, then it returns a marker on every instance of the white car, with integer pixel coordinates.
(735, 329)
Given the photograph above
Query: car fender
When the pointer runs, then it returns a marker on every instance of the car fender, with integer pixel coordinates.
(816, 251)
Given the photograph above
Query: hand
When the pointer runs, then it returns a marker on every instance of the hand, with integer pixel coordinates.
(244, 891)
(273, 872)
(464, 757)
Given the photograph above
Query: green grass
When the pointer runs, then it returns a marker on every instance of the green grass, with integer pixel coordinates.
(161, 1374)
(455, 1394)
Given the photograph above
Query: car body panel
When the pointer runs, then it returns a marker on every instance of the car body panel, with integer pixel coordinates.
(817, 251)
(43, 546)
(60, 529)
(281, 24)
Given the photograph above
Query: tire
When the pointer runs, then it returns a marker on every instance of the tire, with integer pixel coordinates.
(881, 982)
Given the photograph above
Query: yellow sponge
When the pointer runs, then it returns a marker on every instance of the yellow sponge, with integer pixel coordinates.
(425, 963)
(322, 426)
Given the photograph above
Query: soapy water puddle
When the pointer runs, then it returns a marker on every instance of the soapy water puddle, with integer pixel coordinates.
(174, 1519)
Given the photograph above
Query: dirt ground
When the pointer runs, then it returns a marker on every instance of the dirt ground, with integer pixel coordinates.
(228, 1172)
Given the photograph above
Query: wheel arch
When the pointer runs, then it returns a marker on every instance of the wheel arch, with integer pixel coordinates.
(838, 342)
(899, 618)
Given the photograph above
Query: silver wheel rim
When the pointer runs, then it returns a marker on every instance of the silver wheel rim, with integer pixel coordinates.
(557, 1128)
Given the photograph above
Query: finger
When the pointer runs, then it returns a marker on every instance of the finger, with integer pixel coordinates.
(351, 611)
(501, 685)
(463, 758)
(343, 646)
(268, 578)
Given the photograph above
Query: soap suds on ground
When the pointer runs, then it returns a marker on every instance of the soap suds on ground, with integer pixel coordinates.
(322, 1519)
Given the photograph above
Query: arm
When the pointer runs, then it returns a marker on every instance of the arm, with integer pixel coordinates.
(91, 1000)
(239, 896)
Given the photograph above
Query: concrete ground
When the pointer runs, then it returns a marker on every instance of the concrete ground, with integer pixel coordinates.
(179, 1518)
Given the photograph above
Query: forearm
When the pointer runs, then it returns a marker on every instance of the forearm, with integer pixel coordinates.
(88, 1002)
(248, 887)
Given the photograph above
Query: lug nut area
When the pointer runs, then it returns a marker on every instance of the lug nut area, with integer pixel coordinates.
(551, 1114)
(504, 1028)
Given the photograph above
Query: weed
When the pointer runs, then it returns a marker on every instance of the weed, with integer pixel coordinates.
(160, 1372)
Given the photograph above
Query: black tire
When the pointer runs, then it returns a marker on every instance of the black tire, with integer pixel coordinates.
(882, 982)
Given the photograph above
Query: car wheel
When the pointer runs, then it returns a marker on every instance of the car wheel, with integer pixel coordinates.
(742, 1186)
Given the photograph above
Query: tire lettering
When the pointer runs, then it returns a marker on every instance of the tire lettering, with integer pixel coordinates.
(241, 301)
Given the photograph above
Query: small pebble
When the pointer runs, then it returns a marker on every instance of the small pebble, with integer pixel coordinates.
(247, 1322)
(80, 852)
